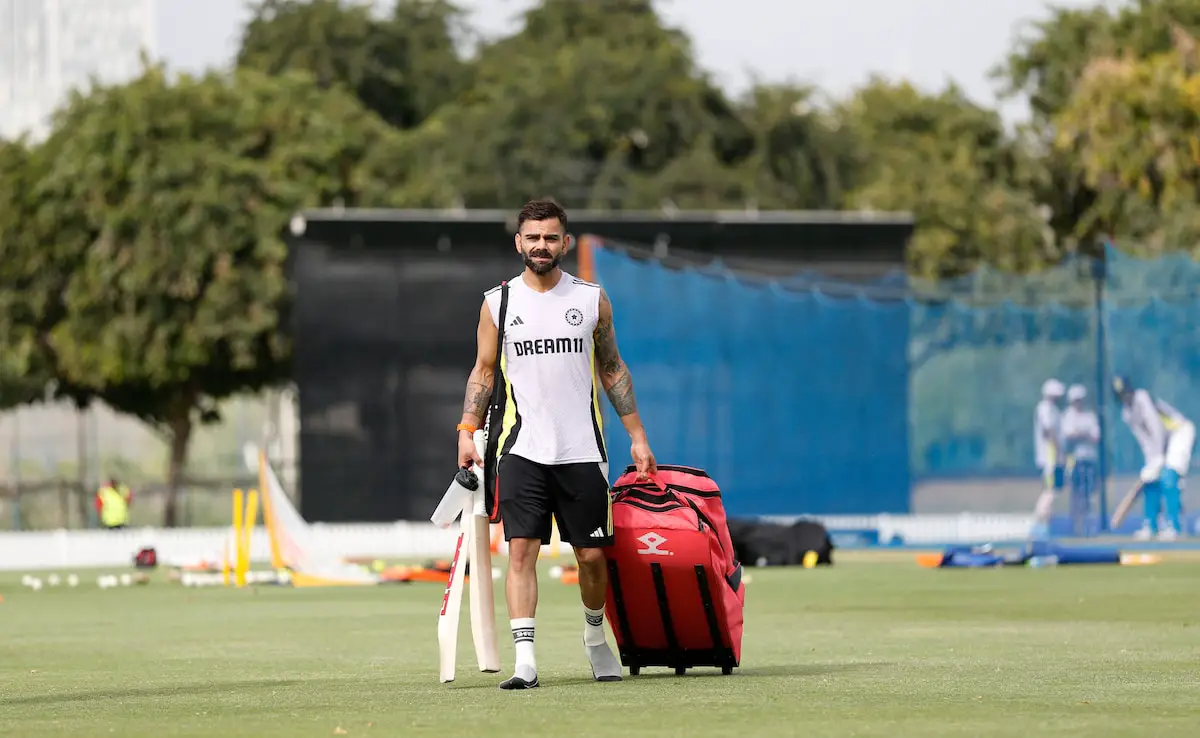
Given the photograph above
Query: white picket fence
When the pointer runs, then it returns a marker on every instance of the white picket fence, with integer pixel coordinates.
(73, 549)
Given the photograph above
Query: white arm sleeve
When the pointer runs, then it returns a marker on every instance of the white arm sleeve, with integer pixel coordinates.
(1149, 428)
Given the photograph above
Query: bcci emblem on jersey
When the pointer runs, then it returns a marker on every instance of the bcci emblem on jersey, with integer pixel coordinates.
(574, 316)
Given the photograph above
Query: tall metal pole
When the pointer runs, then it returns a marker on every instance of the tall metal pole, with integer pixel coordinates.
(1099, 274)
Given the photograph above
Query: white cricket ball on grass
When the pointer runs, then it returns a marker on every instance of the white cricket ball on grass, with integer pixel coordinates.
(72, 580)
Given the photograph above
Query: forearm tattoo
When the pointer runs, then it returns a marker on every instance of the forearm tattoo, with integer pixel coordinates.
(618, 383)
(479, 394)
(607, 356)
(620, 393)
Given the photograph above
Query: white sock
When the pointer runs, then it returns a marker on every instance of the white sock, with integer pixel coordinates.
(522, 631)
(593, 629)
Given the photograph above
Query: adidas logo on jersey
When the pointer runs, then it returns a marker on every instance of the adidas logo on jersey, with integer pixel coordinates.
(516, 321)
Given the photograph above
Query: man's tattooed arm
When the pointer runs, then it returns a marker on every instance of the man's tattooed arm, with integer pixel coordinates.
(483, 374)
(479, 393)
(614, 375)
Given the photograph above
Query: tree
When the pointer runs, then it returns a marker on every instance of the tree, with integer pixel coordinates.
(950, 163)
(176, 195)
(403, 66)
(1135, 127)
(1047, 62)
(34, 268)
(24, 375)
(583, 101)
(802, 156)
(793, 157)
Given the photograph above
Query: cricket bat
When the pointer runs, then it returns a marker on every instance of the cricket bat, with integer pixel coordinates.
(473, 546)
(452, 598)
(483, 603)
(1125, 505)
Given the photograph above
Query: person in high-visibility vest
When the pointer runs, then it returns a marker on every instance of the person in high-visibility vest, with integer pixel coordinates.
(112, 505)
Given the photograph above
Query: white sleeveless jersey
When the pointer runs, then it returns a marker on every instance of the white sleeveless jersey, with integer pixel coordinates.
(1046, 422)
(550, 407)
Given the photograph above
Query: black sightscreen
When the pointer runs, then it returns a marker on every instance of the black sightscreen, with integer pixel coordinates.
(384, 341)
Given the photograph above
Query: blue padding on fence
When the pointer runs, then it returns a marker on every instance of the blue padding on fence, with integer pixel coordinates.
(813, 396)
(793, 401)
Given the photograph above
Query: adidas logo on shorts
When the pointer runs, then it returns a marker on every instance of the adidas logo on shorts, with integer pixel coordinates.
(598, 533)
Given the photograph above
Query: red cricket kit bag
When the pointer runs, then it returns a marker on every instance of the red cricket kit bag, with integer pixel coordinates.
(675, 592)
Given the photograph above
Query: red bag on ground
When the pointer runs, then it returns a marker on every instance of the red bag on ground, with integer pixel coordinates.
(675, 591)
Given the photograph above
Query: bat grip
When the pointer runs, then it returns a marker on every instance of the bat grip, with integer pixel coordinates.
(480, 443)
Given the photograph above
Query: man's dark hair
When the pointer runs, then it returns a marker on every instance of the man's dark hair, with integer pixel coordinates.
(542, 210)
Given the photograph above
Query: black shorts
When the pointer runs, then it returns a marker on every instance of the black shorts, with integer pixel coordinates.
(575, 494)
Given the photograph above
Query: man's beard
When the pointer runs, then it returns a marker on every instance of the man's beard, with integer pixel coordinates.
(538, 268)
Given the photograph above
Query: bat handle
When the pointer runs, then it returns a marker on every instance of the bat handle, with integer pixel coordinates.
(478, 504)
(480, 439)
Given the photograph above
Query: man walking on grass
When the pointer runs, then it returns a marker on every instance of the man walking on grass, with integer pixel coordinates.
(550, 454)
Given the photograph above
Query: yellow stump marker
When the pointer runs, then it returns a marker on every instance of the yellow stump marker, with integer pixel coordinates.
(245, 515)
(248, 523)
(238, 511)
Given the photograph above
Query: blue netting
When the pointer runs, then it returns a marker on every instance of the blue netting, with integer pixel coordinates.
(801, 394)
(764, 386)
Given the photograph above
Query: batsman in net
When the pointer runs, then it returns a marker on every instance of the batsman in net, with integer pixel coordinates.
(550, 454)
(1166, 437)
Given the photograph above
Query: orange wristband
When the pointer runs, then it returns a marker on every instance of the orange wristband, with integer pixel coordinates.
(467, 427)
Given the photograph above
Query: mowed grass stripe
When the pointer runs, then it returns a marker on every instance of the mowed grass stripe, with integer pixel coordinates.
(864, 648)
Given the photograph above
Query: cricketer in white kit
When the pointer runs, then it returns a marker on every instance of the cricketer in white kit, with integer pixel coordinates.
(1047, 444)
(1080, 433)
(559, 345)
(1166, 437)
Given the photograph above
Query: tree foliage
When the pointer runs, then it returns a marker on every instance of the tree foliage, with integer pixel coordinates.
(174, 294)
(24, 304)
(952, 165)
(402, 66)
(1134, 127)
(1047, 64)
(584, 100)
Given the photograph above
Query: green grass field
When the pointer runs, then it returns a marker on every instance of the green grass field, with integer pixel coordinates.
(873, 646)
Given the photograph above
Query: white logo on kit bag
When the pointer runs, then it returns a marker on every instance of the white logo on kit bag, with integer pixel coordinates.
(653, 540)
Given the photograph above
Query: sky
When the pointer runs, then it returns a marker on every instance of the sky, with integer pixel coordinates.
(835, 44)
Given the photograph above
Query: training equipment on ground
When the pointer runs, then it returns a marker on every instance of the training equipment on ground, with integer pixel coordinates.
(292, 545)
(1037, 554)
(146, 558)
(473, 546)
(760, 543)
(675, 591)
(1125, 505)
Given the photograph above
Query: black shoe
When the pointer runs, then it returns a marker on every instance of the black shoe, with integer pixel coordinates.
(516, 682)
